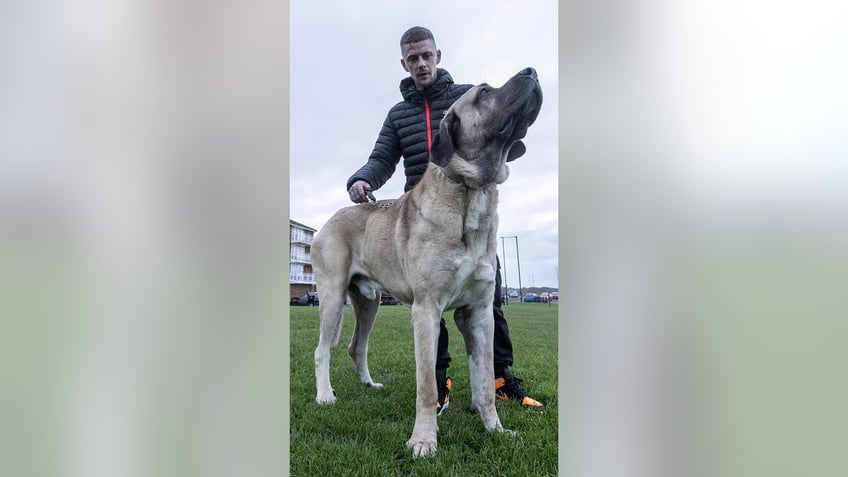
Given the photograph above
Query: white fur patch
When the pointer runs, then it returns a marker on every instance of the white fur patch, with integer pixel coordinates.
(478, 211)
(503, 173)
(484, 272)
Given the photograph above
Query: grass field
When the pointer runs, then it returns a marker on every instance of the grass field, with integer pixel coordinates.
(365, 432)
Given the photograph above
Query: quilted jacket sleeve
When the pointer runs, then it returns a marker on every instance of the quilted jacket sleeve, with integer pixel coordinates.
(383, 159)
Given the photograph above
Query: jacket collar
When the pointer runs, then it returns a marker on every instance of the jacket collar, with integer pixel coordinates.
(412, 95)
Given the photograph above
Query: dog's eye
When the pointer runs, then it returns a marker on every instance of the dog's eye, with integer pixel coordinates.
(482, 94)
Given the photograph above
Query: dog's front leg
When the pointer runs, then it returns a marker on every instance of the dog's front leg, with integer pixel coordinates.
(425, 324)
(477, 328)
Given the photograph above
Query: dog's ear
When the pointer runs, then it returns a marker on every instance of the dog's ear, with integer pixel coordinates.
(517, 150)
(441, 150)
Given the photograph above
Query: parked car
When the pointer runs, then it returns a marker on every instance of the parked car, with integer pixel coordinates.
(387, 299)
(530, 298)
(513, 294)
(307, 299)
(544, 297)
(554, 296)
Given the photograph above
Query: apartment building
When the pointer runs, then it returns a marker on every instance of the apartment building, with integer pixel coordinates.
(301, 278)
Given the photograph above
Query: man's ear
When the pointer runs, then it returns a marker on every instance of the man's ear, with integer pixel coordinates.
(438, 56)
(517, 150)
(441, 150)
(403, 63)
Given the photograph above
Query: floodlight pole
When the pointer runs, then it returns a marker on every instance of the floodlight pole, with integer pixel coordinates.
(503, 265)
(518, 261)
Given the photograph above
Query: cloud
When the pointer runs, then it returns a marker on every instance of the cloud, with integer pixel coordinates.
(345, 73)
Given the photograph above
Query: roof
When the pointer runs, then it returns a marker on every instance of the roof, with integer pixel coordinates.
(298, 224)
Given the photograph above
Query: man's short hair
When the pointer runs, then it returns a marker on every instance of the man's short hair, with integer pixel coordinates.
(416, 34)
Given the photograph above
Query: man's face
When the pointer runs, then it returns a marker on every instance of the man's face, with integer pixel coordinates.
(420, 60)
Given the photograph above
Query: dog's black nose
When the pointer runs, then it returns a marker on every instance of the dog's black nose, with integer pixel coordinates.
(531, 72)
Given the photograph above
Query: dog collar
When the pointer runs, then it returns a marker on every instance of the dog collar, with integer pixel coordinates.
(450, 177)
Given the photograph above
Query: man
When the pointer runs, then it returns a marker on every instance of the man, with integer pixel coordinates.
(427, 93)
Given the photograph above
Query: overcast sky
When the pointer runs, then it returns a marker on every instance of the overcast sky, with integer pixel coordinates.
(345, 75)
(728, 112)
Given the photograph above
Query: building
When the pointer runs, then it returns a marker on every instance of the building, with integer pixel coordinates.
(301, 278)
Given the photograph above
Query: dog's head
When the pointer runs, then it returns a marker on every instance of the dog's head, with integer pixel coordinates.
(483, 129)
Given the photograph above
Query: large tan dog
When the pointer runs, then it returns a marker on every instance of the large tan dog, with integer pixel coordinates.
(434, 249)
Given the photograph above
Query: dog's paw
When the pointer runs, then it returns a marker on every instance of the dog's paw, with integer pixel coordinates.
(374, 385)
(326, 398)
(507, 432)
(422, 447)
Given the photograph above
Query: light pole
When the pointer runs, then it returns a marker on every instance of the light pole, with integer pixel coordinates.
(518, 261)
(503, 246)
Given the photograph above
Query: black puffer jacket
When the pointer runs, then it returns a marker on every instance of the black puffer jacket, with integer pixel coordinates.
(404, 132)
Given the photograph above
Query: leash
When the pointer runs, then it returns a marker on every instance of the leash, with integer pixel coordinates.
(381, 204)
(430, 140)
(427, 120)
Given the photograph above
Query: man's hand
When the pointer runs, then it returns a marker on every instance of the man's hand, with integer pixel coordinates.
(360, 191)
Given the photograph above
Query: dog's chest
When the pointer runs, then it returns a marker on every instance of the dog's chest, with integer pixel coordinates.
(479, 222)
(479, 210)
(476, 271)
(472, 280)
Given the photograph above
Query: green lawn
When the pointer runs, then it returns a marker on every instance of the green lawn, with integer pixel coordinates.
(365, 432)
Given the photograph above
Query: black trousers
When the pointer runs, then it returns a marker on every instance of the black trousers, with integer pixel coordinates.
(503, 344)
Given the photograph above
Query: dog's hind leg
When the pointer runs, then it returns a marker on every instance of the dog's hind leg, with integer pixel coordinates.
(330, 313)
(365, 308)
(477, 327)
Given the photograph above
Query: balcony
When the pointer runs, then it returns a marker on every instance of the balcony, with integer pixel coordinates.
(300, 258)
(302, 278)
(302, 238)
